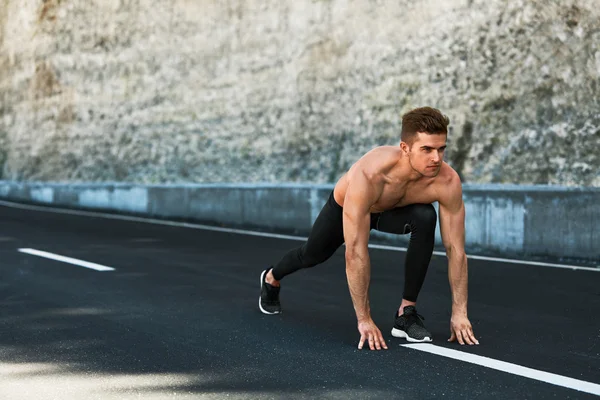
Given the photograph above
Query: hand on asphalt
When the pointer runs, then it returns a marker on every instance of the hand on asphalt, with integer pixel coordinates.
(461, 330)
(371, 334)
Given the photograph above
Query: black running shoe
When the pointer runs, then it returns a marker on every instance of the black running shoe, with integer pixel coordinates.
(410, 326)
(269, 296)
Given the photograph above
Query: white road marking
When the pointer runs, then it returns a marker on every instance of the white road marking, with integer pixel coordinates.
(69, 260)
(266, 234)
(510, 368)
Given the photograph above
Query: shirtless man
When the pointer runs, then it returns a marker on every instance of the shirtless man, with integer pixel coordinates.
(391, 189)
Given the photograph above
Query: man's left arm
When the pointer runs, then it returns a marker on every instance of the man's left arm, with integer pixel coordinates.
(452, 229)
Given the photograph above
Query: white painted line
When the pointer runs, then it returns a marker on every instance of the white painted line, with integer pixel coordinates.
(69, 260)
(538, 263)
(265, 234)
(510, 368)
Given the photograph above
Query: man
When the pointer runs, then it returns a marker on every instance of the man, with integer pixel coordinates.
(391, 189)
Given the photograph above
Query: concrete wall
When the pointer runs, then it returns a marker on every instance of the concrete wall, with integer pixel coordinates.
(544, 221)
(180, 91)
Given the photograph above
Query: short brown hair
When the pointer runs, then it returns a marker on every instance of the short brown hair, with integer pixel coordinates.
(425, 119)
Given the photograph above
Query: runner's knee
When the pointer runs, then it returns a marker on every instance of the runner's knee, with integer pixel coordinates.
(423, 217)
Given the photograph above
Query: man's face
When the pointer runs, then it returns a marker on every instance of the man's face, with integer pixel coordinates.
(427, 153)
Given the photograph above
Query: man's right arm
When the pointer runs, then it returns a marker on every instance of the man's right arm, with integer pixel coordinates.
(361, 193)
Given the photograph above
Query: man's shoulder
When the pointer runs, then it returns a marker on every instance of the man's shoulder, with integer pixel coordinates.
(374, 165)
(449, 185)
(390, 151)
(380, 159)
(449, 176)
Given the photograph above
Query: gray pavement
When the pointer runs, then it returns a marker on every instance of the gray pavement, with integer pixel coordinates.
(178, 318)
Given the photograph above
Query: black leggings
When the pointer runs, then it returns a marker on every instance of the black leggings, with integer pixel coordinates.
(327, 236)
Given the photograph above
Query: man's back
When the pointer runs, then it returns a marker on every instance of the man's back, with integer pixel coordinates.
(390, 174)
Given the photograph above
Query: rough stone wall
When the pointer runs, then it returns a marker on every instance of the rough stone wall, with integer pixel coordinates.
(294, 90)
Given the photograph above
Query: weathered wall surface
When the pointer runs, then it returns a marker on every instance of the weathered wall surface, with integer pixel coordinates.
(294, 90)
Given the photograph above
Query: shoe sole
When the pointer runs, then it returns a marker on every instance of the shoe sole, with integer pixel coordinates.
(401, 334)
(262, 279)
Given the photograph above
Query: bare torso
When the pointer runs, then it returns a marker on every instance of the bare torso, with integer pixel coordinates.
(391, 172)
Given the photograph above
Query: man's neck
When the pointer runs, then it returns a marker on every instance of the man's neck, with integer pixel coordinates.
(403, 171)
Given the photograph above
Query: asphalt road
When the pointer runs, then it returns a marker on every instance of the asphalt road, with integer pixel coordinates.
(178, 318)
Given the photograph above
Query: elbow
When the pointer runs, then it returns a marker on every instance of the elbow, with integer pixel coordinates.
(351, 254)
(354, 256)
(453, 252)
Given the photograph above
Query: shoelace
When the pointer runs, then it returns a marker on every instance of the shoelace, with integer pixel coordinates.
(414, 316)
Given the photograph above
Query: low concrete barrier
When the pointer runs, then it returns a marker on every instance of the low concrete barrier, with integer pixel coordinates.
(509, 220)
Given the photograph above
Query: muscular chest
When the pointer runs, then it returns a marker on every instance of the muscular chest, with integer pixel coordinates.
(401, 195)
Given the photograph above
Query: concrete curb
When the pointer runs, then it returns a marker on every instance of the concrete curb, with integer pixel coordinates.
(508, 220)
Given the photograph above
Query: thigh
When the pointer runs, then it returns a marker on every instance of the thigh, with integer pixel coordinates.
(327, 233)
(397, 220)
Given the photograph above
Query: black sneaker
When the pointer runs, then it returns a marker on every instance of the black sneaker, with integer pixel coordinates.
(269, 296)
(410, 326)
